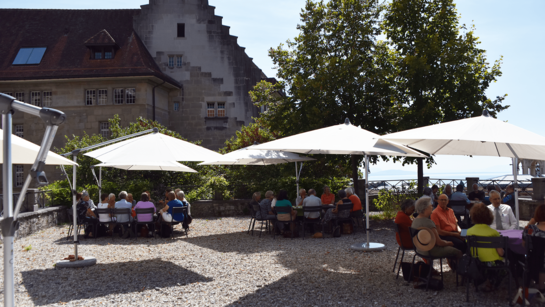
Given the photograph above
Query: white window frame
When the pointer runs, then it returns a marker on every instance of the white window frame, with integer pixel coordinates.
(208, 109)
(102, 97)
(171, 61)
(179, 61)
(119, 97)
(20, 96)
(104, 129)
(19, 173)
(47, 98)
(90, 97)
(130, 95)
(19, 130)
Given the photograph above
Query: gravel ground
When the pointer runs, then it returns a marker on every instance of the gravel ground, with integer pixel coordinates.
(219, 264)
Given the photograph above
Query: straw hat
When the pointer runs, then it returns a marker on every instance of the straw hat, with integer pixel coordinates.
(425, 239)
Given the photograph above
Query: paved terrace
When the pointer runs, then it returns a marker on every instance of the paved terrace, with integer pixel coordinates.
(220, 265)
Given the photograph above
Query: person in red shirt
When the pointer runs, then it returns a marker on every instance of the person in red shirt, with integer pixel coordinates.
(354, 199)
(447, 224)
(403, 218)
(327, 198)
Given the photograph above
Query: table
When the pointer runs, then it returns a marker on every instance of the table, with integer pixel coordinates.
(515, 240)
(299, 209)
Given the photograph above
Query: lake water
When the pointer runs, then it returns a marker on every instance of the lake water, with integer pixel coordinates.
(460, 176)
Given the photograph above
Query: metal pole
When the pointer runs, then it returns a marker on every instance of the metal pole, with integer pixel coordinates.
(99, 184)
(9, 293)
(296, 180)
(515, 186)
(367, 197)
(74, 215)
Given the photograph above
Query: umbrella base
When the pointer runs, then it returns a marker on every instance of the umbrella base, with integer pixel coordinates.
(87, 261)
(371, 246)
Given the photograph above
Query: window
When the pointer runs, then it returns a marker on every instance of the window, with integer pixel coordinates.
(19, 175)
(211, 111)
(104, 129)
(131, 95)
(20, 96)
(35, 98)
(19, 130)
(176, 106)
(98, 55)
(179, 61)
(9, 93)
(108, 55)
(221, 109)
(170, 61)
(102, 97)
(90, 97)
(102, 53)
(27, 56)
(181, 30)
(46, 99)
(119, 95)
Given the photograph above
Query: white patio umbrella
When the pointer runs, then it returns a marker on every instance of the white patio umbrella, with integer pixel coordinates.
(25, 152)
(251, 156)
(149, 166)
(343, 139)
(478, 136)
(153, 147)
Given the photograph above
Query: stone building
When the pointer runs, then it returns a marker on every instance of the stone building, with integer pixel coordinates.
(172, 61)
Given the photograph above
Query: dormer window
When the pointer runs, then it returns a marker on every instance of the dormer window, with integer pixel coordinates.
(102, 46)
(29, 56)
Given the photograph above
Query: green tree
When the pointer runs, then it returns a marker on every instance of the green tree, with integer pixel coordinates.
(442, 74)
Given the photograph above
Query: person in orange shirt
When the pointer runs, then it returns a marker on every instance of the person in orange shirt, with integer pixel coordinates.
(327, 198)
(354, 199)
(447, 224)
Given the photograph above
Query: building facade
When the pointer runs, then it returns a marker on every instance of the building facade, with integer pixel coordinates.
(172, 61)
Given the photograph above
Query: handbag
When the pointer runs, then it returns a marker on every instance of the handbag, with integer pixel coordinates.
(469, 267)
(348, 228)
(133, 212)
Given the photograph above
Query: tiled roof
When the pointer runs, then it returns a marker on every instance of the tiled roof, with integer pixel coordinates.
(64, 33)
(102, 38)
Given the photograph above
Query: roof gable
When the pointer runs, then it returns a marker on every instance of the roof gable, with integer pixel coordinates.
(102, 38)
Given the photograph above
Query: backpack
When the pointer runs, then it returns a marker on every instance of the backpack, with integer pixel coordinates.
(166, 231)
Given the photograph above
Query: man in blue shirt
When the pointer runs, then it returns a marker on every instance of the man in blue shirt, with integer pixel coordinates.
(459, 194)
(166, 212)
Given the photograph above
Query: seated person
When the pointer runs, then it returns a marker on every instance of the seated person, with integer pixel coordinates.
(509, 198)
(166, 212)
(300, 198)
(85, 215)
(448, 191)
(442, 248)
(327, 198)
(447, 225)
(476, 194)
(459, 194)
(105, 218)
(180, 195)
(85, 197)
(123, 218)
(312, 201)
(162, 203)
(282, 201)
(403, 218)
(434, 190)
(144, 203)
(256, 197)
(486, 200)
(130, 199)
(482, 217)
(355, 200)
(334, 213)
(266, 207)
(536, 228)
(502, 215)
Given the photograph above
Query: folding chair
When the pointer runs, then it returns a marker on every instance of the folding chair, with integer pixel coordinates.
(256, 209)
(430, 260)
(120, 212)
(400, 248)
(252, 216)
(312, 221)
(473, 245)
(137, 222)
(108, 212)
(285, 210)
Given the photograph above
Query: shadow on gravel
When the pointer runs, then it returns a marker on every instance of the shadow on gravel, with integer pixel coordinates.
(105, 279)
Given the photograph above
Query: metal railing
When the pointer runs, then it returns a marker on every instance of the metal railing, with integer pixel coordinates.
(33, 197)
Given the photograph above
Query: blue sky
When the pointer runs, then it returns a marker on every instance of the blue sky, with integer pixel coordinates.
(512, 29)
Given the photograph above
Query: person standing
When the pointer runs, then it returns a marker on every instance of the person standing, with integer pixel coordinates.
(503, 214)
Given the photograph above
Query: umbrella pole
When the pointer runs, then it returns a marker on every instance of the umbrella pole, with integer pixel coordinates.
(515, 186)
(99, 184)
(8, 233)
(74, 215)
(297, 181)
(368, 246)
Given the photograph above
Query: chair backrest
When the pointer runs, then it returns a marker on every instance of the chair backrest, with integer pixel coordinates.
(413, 232)
(176, 210)
(282, 210)
(102, 211)
(345, 207)
(474, 243)
(256, 208)
(122, 211)
(458, 206)
(312, 209)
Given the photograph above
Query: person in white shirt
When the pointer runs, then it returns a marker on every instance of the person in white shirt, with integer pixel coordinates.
(312, 201)
(503, 214)
(105, 218)
(85, 197)
(301, 197)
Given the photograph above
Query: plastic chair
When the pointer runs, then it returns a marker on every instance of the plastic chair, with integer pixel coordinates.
(430, 259)
(256, 209)
(284, 210)
(136, 222)
(120, 212)
(400, 248)
(252, 215)
(80, 224)
(312, 221)
(474, 243)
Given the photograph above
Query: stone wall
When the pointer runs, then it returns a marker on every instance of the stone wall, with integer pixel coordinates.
(32, 222)
(219, 208)
(527, 207)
